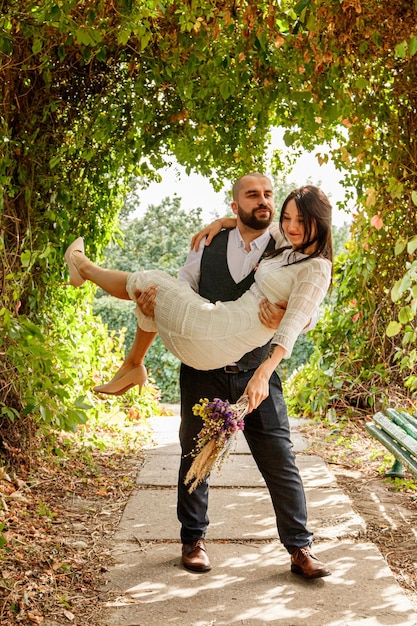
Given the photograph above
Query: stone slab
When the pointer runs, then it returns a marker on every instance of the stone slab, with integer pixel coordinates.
(165, 436)
(251, 585)
(239, 470)
(235, 514)
(169, 445)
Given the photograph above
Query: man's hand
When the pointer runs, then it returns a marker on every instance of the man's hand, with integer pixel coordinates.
(146, 301)
(271, 314)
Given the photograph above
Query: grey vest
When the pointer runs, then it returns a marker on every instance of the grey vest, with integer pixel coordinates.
(216, 283)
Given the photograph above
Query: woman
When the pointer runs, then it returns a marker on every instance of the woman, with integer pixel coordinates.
(208, 336)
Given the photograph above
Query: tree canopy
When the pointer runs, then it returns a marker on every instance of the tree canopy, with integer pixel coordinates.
(96, 91)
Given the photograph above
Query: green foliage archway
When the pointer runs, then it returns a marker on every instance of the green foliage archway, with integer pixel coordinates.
(93, 92)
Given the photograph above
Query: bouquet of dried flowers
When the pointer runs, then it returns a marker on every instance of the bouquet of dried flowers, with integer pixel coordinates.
(221, 423)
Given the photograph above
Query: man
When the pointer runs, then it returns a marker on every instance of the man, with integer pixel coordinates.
(223, 271)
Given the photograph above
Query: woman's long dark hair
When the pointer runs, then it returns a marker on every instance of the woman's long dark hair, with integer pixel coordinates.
(315, 209)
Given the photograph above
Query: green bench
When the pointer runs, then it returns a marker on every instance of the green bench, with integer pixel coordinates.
(397, 431)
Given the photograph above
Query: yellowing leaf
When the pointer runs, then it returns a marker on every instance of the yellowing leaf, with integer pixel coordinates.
(279, 40)
(371, 197)
(322, 158)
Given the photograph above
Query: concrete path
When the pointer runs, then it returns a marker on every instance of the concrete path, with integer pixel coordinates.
(250, 582)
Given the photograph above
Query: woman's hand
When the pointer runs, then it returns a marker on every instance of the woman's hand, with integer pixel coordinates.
(271, 314)
(209, 231)
(146, 301)
(257, 388)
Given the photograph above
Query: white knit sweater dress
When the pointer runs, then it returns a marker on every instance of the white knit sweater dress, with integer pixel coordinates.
(208, 336)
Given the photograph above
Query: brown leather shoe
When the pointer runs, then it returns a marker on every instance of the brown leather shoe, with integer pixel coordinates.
(306, 564)
(194, 556)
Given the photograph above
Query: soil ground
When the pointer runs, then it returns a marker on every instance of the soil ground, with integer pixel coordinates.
(59, 525)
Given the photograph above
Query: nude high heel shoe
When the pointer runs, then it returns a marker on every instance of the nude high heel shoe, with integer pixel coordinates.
(74, 277)
(136, 376)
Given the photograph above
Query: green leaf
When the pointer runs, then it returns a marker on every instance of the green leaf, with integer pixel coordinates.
(414, 197)
(400, 246)
(55, 12)
(54, 161)
(226, 88)
(409, 337)
(12, 414)
(400, 286)
(144, 40)
(25, 258)
(401, 50)
(81, 404)
(301, 5)
(83, 36)
(406, 314)
(6, 44)
(412, 46)
(37, 46)
(361, 83)
(412, 245)
(61, 52)
(393, 329)
(123, 36)
(396, 292)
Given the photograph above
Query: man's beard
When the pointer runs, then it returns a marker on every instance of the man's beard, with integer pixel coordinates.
(251, 221)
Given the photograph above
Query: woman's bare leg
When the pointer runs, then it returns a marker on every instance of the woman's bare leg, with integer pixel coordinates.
(112, 281)
(132, 371)
(141, 344)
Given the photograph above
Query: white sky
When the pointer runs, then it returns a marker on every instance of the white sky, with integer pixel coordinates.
(196, 191)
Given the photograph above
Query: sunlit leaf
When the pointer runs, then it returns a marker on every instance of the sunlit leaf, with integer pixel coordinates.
(393, 329)
(396, 291)
(25, 258)
(412, 245)
(400, 246)
(406, 314)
